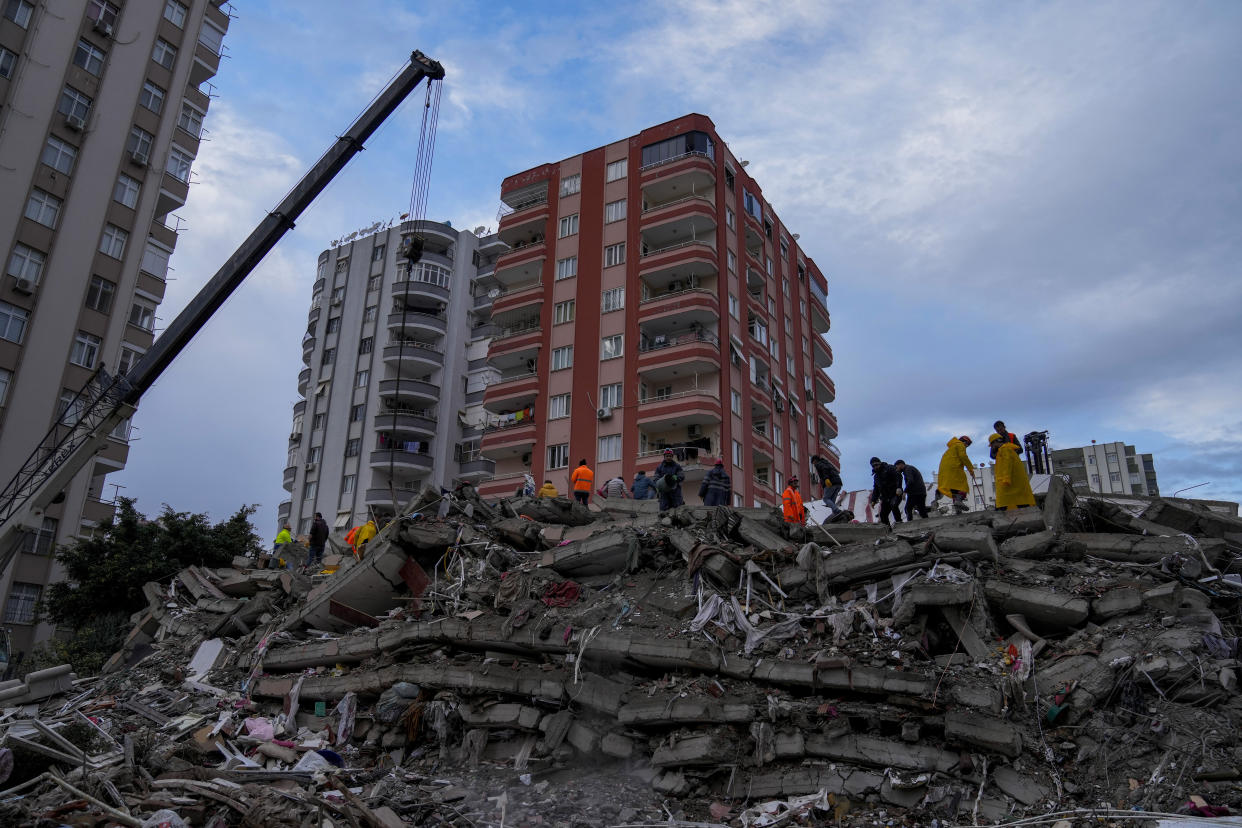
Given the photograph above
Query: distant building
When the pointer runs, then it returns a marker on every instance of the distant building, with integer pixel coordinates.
(395, 362)
(1107, 468)
(101, 114)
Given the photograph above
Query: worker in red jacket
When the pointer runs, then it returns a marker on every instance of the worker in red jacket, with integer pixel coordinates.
(582, 481)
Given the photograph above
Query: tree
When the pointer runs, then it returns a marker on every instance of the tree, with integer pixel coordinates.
(105, 573)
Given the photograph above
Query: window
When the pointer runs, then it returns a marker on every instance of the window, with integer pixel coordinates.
(58, 155)
(776, 435)
(329, 356)
(730, 217)
(155, 259)
(112, 242)
(610, 347)
(612, 299)
(614, 211)
(152, 97)
(12, 322)
(85, 349)
(609, 448)
(178, 165)
(89, 57)
(356, 413)
(23, 598)
(752, 205)
(127, 359)
(342, 266)
(369, 314)
(348, 482)
(733, 306)
(793, 449)
(174, 13)
(610, 395)
(139, 143)
(43, 207)
(1114, 477)
(6, 377)
(565, 268)
(366, 345)
(568, 226)
(26, 263)
(190, 120)
(309, 489)
(737, 454)
(102, 11)
(735, 402)
(126, 191)
(165, 54)
(615, 170)
(317, 421)
(1095, 480)
(690, 143)
(729, 178)
(334, 324)
(338, 295)
(353, 447)
(558, 407)
(571, 184)
(315, 453)
(769, 266)
(73, 104)
(732, 259)
(142, 315)
(789, 365)
(211, 37)
(1090, 459)
(362, 379)
(19, 11)
(806, 346)
(614, 254)
(558, 456)
(563, 312)
(377, 255)
(562, 357)
(373, 283)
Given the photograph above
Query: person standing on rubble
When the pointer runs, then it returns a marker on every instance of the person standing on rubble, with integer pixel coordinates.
(829, 482)
(582, 481)
(791, 503)
(886, 490)
(615, 488)
(365, 532)
(916, 489)
(548, 490)
(318, 540)
(668, 479)
(952, 478)
(284, 539)
(1005, 436)
(1013, 486)
(716, 488)
(641, 488)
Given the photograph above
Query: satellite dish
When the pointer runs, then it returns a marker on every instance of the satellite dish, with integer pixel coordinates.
(493, 293)
(478, 231)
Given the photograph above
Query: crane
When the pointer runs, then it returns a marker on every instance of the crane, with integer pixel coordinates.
(107, 400)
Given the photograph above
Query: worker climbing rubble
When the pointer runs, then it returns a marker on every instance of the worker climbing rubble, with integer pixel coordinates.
(954, 466)
(1013, 485)
(886, 490)
(581, 482)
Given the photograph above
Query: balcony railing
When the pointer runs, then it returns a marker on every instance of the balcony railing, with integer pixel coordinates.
(507, 424)
(652, 251)
(681, 292)
(513, 377)
(532, 200)
(409, 411)
(675, 159)
(517, 330)
(512, 289)
(692, 392)
(659, 341)
(651, 207)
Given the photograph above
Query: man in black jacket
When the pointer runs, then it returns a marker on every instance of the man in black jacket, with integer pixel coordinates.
(829, 482)
(318, 539)
(916, 489)
(668, 478)
(886, 491)
(716, 488)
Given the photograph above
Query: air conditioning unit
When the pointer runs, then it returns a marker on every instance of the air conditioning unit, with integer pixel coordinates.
(75, 123)
(780, 404)
(810, 394)
(103, 28)
(295, 436)
(694, 431)
(23, 286)
(138, 158)
(604, 414)
(310, 466)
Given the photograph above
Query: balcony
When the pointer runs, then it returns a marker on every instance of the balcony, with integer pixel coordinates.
(419, 391)
(284, 510)
(313, 316)
(700, 406)
(823, 353)
(418, 290)
(526, 259)
(420, 421)
(303, 381)
(694, 469)
(825, 388)
(515, 338)
(416, 322)
(691, 305)
(382, 498)
(661, 356)
(827, 425)
(419, 356)
(291, 472)
(525, 222)
(761, 443)
(436, 236)
(673, 183)
(475, 467)
(406, 461)
(512, 392)
(518, 295)
(678, 165)
(308, 348)
(821, 321)
(694, 226)
(508, 440)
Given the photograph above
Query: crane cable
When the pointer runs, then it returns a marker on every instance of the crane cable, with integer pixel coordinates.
(415, 216)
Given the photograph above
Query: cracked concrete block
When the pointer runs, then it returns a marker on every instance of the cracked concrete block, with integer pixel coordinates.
(1020, 786)
(616, 746)
(1051, 610)
(873, 751)
(604, 554)
(901, 796)
(940, 594)
(974, 729)
(1031, 547)
(671, 783)
(699, 750)
(1116, 602)
(501, 715)
(583, 739)
(849, 563)
(595, 692)
(676, 711)
(1017, 522)
(966, 539)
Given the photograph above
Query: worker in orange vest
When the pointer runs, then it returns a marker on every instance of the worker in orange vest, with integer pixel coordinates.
(582, 481)
(792, 506)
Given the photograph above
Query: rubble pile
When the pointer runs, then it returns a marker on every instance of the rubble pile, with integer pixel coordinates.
(535, 662)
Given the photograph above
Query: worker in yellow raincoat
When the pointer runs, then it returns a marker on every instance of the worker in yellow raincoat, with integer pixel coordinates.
(954, 465)
(365, 532)
(1013, 487)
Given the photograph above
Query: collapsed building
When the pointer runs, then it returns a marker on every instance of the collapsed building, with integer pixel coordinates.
(530, 662)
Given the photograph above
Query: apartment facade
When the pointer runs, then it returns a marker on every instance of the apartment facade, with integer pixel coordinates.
(1107, 468)
(652, 298)
(394, 363)
(101, 114)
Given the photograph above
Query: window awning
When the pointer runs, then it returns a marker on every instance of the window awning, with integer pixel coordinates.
(342, 519)
(322, 387)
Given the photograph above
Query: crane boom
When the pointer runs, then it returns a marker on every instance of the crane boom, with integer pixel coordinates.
(108, 400)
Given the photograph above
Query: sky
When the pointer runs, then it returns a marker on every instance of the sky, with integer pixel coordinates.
(1025, 211)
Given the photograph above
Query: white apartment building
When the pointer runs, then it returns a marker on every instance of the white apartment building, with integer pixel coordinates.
(102, 106)
(395, 363)
(1107, 468)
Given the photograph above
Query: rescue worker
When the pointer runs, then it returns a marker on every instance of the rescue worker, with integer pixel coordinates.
(548, 490)
(365, 532)
(318, 540)
(668, 479)
(886, 490)
(284, 539)
(829, 482)
(952, 478)
(1013, 487)
(716, 488)
(916, 489)
(791, 503)
(616, 488)
(582, 481)
(1005, 437)
(351, 536)
(642, 487)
